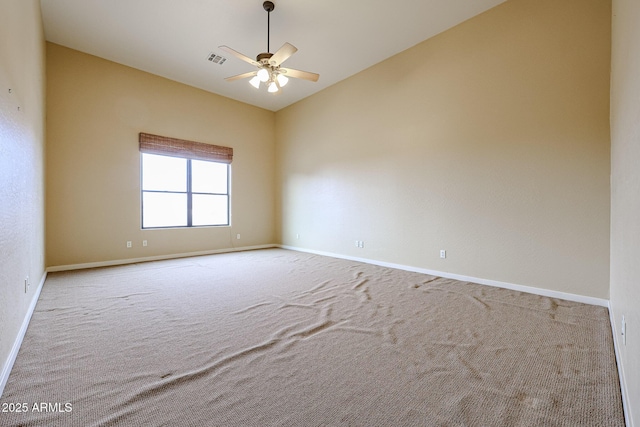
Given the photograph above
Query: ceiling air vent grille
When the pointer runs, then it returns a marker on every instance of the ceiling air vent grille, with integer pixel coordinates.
(216, 59)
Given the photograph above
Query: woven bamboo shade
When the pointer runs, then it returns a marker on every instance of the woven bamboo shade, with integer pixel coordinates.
(155, 144)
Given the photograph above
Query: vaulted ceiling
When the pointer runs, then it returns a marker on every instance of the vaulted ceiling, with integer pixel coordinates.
(174, 39)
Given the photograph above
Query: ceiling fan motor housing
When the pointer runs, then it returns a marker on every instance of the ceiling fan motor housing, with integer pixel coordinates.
(264, 57)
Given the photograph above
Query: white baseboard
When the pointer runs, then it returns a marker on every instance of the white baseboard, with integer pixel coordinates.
(154, 258)
(623, 383)
(8, 364)
(529, 289)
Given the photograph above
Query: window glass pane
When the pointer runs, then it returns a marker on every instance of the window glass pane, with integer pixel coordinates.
(210, 210)
(163, 173)
(164, 210)
(208, 177)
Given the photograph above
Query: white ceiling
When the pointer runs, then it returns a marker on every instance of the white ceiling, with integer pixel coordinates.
(173, 38)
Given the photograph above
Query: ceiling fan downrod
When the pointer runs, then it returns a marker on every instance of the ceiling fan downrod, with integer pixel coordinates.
(268, 6)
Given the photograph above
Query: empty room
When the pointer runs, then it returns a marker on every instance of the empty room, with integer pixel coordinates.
(363, 213)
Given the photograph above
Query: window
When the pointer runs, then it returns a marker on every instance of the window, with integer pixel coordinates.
(179, 190)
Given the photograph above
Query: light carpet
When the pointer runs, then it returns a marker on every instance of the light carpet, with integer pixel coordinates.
(280, 338)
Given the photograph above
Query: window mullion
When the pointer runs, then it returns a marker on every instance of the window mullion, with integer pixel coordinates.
(189, 195)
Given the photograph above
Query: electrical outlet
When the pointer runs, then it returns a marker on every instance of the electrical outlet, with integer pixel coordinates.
(443, 253)
(297, 236)
(144, 243)
(357, 243)
(26, 284)
(362, 243)
(623, 331)
(238, 236)
(129, 243)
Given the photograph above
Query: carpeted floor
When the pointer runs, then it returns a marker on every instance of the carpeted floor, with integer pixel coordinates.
(280, 338)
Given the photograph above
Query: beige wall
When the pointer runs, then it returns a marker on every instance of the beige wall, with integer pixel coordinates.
(95, 110)
(625, 192)
(490, 141)
(22, 69)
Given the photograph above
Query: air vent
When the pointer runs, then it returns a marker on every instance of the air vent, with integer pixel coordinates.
(216, 59)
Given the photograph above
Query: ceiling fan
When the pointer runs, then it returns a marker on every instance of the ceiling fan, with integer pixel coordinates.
(269, 69)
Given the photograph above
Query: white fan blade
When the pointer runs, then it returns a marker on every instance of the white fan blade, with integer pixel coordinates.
(241, 76)
(283, 54)
(238, 55)
(305, 75)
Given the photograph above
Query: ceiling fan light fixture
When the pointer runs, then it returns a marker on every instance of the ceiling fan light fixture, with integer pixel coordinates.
(273, 87)
(255, 82)
(282, 80)
(263, 75)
